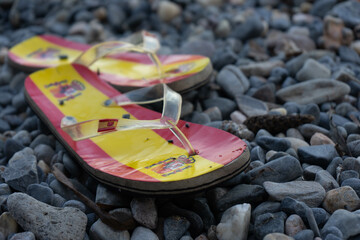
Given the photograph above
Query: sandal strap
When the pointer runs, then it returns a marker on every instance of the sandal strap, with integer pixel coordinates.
(149, 46)
(169, 117)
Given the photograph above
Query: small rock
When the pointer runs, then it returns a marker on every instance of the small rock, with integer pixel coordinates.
(314, 91)
(251, 106)
(354, 148)
(40, 192)
(242, 193)
(260, 68)
(308, 130)
(304, 235)
(141, 233)
(347, 174)
(269, 223)
(8, 224)
(265, 207)
(175, 227)
(44, 152)
(347, 222)
(75, 204)
(296, 143)
(225, 105)
(311, 193)
(277, 236)
(144, 211)
(341, 198)
(354, 183)
(293, 225)
(349, 12)
(311, 70)
(351, 163)
(310, 172)
(198, 47)
(168, 10)
(70, 165)
(11, 147)
(273, 143)
(45, 221)
(108, 198)
(320, 139)
(101, 231)
(326, 180)
(23, 137)
(201, 207)
(251, 28)
(232, 80)
(335, 34)
(321, 216)
(23, 236)
(234, 223)
(320, 155)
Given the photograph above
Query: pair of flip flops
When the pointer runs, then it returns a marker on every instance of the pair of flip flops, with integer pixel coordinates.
(117, 141)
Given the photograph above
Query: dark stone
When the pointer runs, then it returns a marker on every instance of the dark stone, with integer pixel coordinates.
(334, 164)
(349, 12)
(354, 148)
(201, 207)
(347, 222)
(232, 80)
(265, 207)
(108, 198)
(320, 155)
(75, 204)
(304, 235)
(40, 192)
(321, 7)
(257, 153)
(225, 105)
(11, 147)
(321, 216)
(251, 28)
(71, 166)
(273, 143)
(4, 126)
(175, 227)
(348, 174)
(269, 223)
(354, 183)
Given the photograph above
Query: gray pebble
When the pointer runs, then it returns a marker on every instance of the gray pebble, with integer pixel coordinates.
(145, 212)
(23, 236)
(175, 227)
(311, 70)
(348, 174)
(307, 130)
(347, 222)
(304, 235)
(265, 207)
(44, 152)
(326, 180)
(354, 148)
(269, 223)
(273, 143)
(101, 231)
(225, 105)
(354, 183)
(40, 192)
(232, 80)
(320, 155)
(75, 204)
(141, 233)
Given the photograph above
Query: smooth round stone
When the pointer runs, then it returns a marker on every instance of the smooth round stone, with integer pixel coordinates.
(11, 147)
(343, 108)
(326, 180)
(352, 138)
(320, 139)
(304, 235)
(269, 223)
(40, 192)
(144, 212)
(277, 236)
(265, 207)
(41, 139)
(332, 167)
(4, 189)
(265, 93)
(352, 128)
(312, 69)
(308, 130)
(341, 198)
(225, 105)
(347, 222)
(8, 224)
(311, 109)
(201, 207)
(198, 47)
(175, 227)
(5, 98)
(101, 231)
(4, 126)
(251, 28)
(75, 204)
(109, 198)
(44, 167)
(333, 233)
(33, 215)
(310, 172)
(168, 10)
(23, 236)
(321, 216)
(348, 174)
(257, 153)
(260, 68)
(70, 165)
(348, 55)
(273, 143)
(143, 233)
(311, 193)
(320, 155)
(238, 117)
(58, 200)
(293, 225)
(200, 118)
(296, 143)
(278, 74)
(354, 148)
(354, 183)
(228, 228)
(294, 133)
(23, 137)
(44, 152)
(351, 163)
(214, 114)
(251, 106)
(314, 91)
(232, 80)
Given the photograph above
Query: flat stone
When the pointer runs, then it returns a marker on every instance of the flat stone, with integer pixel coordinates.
(23, 137)
(23, 236)
(354, 183)
(304, 235)
(349, 12)
(232, 80)
(347, 222)
(320, 139)
(312, 69)
(354, 148)
(269, 223)
(251, 106)
(351, 163)
(321, 216)
(109, 198)
(296, 143)
(198, 47)
(201, 207)
(168, 10)
(229, 227)
(311, 193)
(293, 225)
(44, 152)
(347, 174)
(310, 172)
(252, 27)
(11, 147)
(265, 207)
(45, 221)
(225, 105)
(21, 170)
(260, 68)
(242, 193)
(175, 227)
(275, 171)
(8, 225)
(273, 143)
(141, 233)
(145, 212)
(320, 155)
(341, 198)
(40, 192)
(308, 130)
(314, 91)
(326, 180)
(101, 231)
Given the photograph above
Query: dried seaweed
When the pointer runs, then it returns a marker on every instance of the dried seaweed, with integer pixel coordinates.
(124, 224)
(276, 123)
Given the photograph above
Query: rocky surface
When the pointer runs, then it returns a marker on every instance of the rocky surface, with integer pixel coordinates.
(271, 58)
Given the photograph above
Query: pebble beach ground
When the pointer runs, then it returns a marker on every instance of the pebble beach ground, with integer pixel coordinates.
(277, 59)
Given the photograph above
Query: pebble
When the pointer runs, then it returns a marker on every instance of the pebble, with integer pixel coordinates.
(251, 28)
(311, 193)
(175, 227)
(201, 207)
(107, 197)
(143, 233)
(257, 153)
(8, 225)
(304, 235)
(347, 222)
(320, 139)
(312, 69)
(269, 223)
(198, 47)
(225, 105)
(234, 223)
(260, 68)
(144, 212)
(101, 231)
(23, 137)
(314, 91)
(277, 236)
(273, 143)
(11, 147)
(232, 80)
(293, 225)
(275, 171)
(296, 143)
(75, 204)
(242, 193)
(354, 183)
(21, 170)
(46, 221)
(320, 155)
(326, 180)
(168, 10)
(40, 192)
(265, 207)
(44, 152)
(348, 174)
(354, 148)
(251, 106)
(341, 198)
(310, 172)
(70, 165)
(23, 236)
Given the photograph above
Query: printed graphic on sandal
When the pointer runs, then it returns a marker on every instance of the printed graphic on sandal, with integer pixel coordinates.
(172, 165)
(47, 53)
(65, 91)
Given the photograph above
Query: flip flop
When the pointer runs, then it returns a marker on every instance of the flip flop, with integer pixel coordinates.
(126, 66)
(128, 146)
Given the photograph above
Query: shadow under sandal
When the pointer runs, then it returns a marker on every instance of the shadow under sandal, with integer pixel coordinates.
(128, 146)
